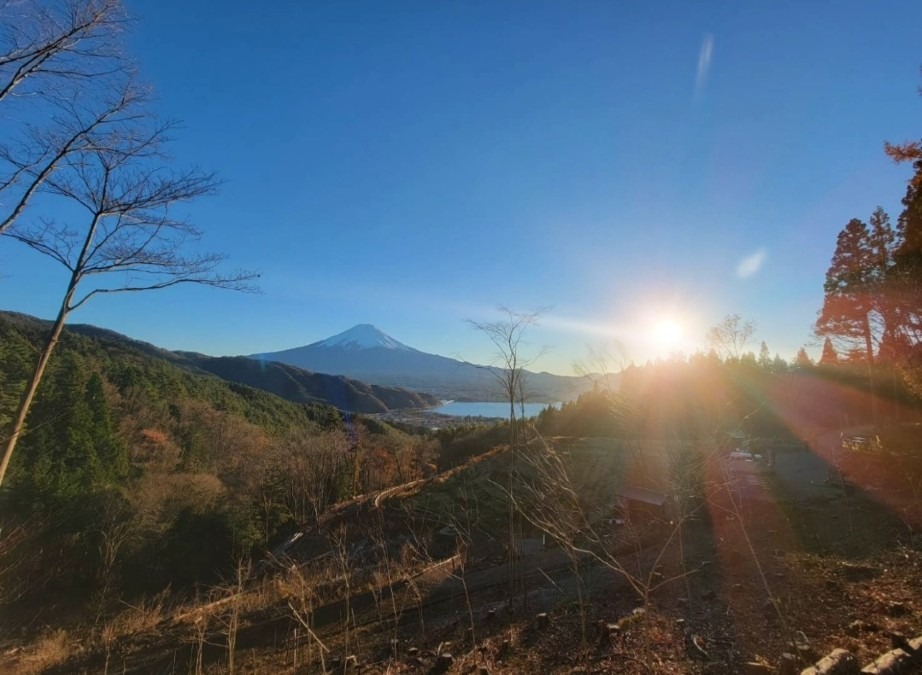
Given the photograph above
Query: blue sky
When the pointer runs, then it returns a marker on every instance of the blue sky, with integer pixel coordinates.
(416, 164)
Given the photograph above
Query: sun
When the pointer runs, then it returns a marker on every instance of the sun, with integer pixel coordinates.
(668, 332)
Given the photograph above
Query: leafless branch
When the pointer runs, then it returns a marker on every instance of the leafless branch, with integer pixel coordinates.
(44, 47)
(41, 157)
(110, 174)
(509, 365)
(730, 337)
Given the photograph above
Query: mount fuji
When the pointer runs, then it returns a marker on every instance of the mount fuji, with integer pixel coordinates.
(367, 353)
(362, 336)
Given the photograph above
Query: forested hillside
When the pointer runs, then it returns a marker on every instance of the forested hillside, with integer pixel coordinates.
(289, 382)
(704, 395)
(302, 386)
(136, 473)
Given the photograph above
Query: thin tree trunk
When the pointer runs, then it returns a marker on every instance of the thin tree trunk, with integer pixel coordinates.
(869, 346)
(25, 402)
(513, 430)
(19, 421)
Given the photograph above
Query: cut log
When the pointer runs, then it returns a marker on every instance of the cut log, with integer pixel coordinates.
(894, 662)
(836, 662)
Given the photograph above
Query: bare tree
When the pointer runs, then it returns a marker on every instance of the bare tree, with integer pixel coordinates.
(509, 370)
(233, 590)
(463, 527)
(312, 465)
(305, 595)
(115, 528)
(550, 500)
(49, 48)
(510, 364)
(128, 233)
(730, 337)
(339, 546)
(53, 56)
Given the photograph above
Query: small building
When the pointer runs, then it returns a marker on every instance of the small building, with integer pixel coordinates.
(643, 504)
(447, 542)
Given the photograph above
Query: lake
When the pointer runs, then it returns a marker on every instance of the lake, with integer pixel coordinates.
(487, 409)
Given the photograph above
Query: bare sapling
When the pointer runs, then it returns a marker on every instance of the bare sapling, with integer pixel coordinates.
(339, 545)
(236, 591)
(509, 370)
(389, 574)
(301, 606)
(200, 626)
(459, 567)
(414, 554)
(550, 501)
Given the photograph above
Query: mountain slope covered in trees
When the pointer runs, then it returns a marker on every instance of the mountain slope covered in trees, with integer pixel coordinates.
(289, 382)
(137, 472)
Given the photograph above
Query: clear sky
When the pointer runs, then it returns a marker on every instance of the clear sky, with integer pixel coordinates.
(416, 164)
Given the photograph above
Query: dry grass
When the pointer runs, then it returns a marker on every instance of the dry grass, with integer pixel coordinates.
(712, 623)
(141, 617)
(50, 650)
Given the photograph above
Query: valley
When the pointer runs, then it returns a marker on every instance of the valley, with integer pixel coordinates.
(650, 396)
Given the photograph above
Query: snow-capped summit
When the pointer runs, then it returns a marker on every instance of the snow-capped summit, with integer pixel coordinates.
(365, 353)
(362, 336)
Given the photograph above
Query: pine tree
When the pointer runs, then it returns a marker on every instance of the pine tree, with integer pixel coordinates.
(905, 280)
(59, 458)
(906, 283)
(765, 358)
(803, 360)
(906, 275)
(859, 307)
(847, 304)
(15, 356)
(71, 447)
(779, 365)
(110, 451)
(883, 243)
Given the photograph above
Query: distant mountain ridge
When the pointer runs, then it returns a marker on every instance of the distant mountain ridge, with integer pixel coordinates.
(367, 353)
(286, 381)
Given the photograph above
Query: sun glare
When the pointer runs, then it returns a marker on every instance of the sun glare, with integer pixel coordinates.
(668, 332)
